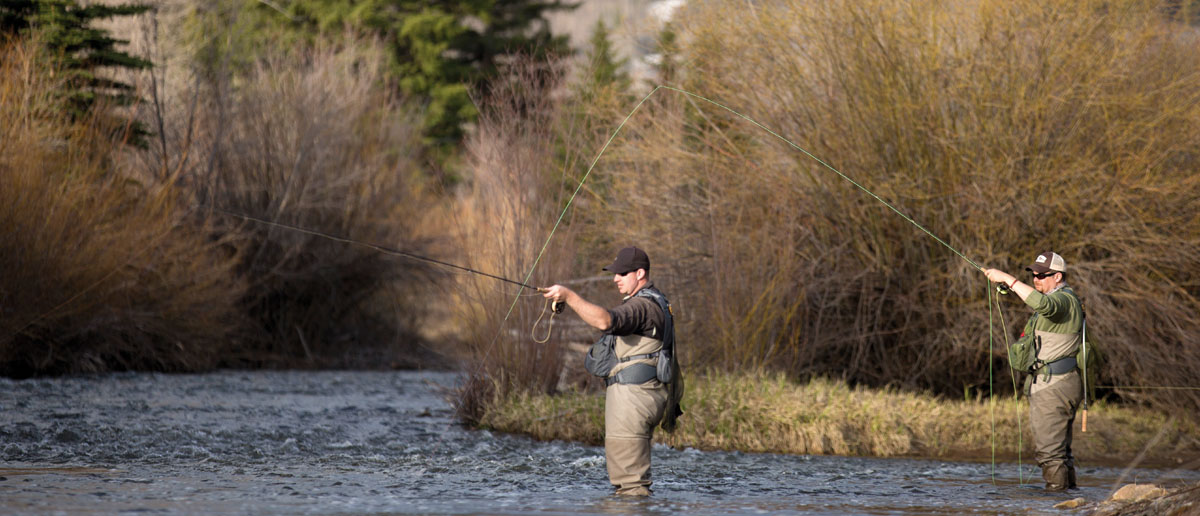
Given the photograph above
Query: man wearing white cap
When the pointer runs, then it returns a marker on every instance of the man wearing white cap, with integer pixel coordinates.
(1056, 390)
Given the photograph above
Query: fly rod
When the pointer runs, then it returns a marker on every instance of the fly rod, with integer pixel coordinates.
(377, 247)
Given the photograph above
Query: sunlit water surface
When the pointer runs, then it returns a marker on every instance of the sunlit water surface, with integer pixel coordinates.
(269, 442)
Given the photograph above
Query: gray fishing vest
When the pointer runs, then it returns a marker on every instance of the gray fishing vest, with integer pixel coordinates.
(651, 358)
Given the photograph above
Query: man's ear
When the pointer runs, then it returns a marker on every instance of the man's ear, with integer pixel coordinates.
(641, 274)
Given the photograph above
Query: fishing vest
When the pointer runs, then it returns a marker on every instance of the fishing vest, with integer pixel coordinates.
(1045, 354)
(637, 359)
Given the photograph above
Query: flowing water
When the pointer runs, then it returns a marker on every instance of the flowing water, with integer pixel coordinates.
(269, 442)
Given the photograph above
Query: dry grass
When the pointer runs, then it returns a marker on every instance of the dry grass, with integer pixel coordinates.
(1007, 128)
(770, 413)
(310, 138)
(508, 208)
(97, 271)
(159, 277)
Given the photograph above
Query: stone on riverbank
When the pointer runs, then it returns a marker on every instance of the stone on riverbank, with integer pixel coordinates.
(1073, 503)
(1149, 499)
(1137, 493)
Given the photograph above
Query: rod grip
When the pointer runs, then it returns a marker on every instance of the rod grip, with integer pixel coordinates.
(1084, 428)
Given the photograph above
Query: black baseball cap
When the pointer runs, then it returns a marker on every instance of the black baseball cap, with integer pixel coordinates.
(628, 260)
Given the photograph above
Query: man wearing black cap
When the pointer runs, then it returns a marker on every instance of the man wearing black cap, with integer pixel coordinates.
(638, 333)
(1057, 390)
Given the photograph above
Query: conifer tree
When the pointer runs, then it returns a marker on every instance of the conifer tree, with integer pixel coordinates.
(668, 54)
(600, 95)
(441, 49)
(65, 28)
(605, 72)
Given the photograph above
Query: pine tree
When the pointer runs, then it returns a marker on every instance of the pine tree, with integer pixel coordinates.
(65, 28)
(441, 49)
(600, 96)
(605, 73)
(668, 51)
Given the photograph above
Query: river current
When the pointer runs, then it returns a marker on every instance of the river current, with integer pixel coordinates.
(286, 442)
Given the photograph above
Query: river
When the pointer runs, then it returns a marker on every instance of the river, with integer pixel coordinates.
(288, 442)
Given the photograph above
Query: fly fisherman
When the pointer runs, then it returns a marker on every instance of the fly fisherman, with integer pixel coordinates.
(636, 358)
(1056, 329)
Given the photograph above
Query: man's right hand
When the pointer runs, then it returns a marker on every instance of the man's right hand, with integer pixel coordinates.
(557, 293)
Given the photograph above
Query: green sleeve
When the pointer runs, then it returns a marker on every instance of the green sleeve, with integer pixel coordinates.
(1060, 311)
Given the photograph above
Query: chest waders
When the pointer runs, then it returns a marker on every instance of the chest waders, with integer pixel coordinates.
(1045, 354)
(602, 358)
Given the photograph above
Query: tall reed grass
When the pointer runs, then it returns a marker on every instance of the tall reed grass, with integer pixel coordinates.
(122, 258)
(508, 212)
(771, 413)
(313, 138)
(1005, 127)
(97, 271)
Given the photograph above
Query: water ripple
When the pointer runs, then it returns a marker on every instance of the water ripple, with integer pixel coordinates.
(271, 442)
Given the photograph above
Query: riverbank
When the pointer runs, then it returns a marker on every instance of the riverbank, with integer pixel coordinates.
(769, 413)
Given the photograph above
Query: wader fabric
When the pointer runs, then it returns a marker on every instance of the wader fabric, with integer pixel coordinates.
(630, 414)
(629, 345)
(1054, 398)
(1051, 417)
(1054, 346)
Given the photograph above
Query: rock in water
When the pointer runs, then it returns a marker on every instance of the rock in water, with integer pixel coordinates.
(1073, 503)
(1137, 493)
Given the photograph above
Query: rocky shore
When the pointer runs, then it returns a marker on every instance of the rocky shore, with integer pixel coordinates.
(1142, 500)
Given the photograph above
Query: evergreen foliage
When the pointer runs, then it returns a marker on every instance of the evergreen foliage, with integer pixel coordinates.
(667, 48)
(440, 49)
(65, 28)
(605, 70)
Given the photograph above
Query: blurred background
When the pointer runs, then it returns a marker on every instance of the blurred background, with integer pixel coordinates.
(139, 143)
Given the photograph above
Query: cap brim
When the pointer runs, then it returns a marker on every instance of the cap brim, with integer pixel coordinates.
(1038, 268)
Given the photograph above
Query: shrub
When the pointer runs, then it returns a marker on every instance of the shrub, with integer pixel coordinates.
(1007, 128)
(508, 210)
(97, 271)
(311, 139)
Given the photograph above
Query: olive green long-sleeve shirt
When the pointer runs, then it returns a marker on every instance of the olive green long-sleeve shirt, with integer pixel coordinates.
(1060, 310)
(1059, 327)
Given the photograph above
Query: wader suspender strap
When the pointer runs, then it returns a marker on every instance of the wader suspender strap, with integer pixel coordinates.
(639, 357)
(642, 373)
(666, 362)
(1037, 350)
(1062, 365)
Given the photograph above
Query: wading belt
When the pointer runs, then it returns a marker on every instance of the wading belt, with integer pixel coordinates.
(634, 374)
(1061, 366)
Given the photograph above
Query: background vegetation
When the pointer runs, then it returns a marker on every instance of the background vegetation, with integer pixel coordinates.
(98, 271)
(1007, 128)
(771, 413)
(435, 52)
